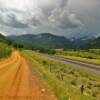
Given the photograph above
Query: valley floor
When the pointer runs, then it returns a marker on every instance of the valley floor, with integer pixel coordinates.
(29, 75)
(65, 79)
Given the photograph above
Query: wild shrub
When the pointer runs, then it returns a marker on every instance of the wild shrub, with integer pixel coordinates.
(5, 50)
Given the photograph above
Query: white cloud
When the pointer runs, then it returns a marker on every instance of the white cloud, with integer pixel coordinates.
(63, 19)
(22, 5)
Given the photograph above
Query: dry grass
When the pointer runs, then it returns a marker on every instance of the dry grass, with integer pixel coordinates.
(64, 79)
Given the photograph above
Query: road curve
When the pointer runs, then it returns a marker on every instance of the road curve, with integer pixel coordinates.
(17, 82)
(94, 67)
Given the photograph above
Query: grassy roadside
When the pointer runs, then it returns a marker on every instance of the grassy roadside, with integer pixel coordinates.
(5, 50)
(64, 79)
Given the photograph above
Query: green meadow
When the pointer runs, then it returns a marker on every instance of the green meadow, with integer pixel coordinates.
(63, 79)
(91, 55)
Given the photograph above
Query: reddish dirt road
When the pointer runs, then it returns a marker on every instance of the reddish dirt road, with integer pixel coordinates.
(17, 82)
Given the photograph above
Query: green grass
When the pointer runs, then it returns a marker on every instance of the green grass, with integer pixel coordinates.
(94, 61)
(64, 79)
(91, 56)
(5, 50)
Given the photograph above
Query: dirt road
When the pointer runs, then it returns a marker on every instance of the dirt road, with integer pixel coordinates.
(17, 82)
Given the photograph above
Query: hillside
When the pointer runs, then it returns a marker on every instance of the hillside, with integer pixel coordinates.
(42, 40)
(3, 39)
(5, 48)
(95, 43)
(86, 42)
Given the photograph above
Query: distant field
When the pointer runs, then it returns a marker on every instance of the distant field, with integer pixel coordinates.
(64, 79)
(5, 50)
(92, 55)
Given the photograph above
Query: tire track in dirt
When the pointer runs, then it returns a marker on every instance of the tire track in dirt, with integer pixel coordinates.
(17, 82)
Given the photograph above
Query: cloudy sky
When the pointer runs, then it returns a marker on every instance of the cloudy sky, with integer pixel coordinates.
(60, 17)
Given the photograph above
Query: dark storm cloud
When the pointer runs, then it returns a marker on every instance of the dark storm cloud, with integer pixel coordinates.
(57, 16)
(48, 14)
(62, 4)
(9, 18)
(12, 21)
(88, 12)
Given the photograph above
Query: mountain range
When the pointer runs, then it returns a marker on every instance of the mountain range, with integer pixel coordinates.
(4, 39)
(48, 40)
(95, 43)
(43, 40)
